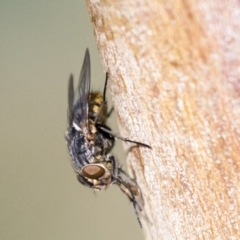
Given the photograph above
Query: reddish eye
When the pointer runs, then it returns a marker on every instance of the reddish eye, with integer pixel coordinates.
(93, 171)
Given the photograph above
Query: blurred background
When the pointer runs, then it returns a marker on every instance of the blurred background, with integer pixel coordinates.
(41, 43)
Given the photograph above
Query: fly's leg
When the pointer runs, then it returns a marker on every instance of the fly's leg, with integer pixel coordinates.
(122, 179)
(105, 87)
(104, 129)
(126, 184)
(104, 100)
(114, 166)
(104, 95)
(129, 188)
(110, 112)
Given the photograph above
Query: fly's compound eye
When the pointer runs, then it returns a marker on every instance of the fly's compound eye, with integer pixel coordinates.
(93, 171)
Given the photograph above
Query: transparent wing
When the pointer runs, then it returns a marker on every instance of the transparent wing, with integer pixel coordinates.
(70, 100)
(80, 101)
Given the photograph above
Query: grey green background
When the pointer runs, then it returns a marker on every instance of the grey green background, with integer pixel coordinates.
(41, 43)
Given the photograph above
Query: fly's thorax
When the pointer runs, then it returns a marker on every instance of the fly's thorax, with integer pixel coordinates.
(80, 151)
(97, 108)
(98, 174)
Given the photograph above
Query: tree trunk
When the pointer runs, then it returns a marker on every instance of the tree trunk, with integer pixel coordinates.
(175, 82)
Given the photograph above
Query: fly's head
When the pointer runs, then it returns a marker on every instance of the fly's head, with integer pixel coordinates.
(96, 175)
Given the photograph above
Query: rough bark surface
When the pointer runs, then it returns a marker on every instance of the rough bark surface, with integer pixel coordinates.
(175, 81)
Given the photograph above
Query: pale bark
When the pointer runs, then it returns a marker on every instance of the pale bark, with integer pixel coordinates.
(175, 68)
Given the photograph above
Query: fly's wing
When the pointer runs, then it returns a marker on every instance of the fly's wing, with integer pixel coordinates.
(80, 101)
(70, 100)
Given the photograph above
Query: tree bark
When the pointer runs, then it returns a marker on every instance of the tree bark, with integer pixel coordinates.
(175, 82)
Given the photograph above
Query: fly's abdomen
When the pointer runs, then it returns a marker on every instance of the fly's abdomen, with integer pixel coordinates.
(97, 108)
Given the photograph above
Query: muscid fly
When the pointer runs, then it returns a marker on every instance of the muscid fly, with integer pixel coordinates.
(90, 140)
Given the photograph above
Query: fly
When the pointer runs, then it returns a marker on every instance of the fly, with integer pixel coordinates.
(90, 140)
